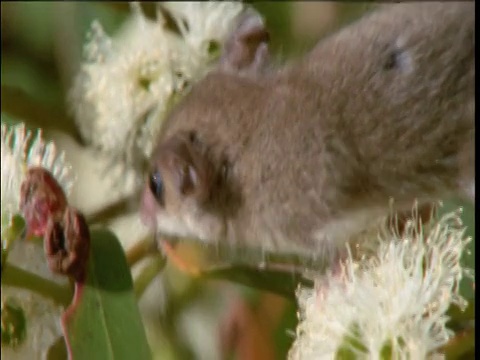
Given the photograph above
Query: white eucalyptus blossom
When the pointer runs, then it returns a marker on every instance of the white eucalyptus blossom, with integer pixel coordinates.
(203, 23)
(20, 150)
(129, 81)
(395, 300)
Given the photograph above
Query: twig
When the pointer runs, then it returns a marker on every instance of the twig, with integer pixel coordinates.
(147, 274)
(113, 210)
(169, 250)
(140, 250)
(17, 277)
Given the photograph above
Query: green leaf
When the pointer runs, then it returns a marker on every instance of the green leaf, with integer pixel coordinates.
(103, 322)
(284, 334)
(282, 283)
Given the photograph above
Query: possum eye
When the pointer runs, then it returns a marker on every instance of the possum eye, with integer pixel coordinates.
(156, 186)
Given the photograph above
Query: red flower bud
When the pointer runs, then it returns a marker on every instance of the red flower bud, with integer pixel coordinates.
(41, 198)
(67, 244)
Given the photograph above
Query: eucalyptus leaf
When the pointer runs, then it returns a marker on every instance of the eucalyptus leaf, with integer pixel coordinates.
(103, 322)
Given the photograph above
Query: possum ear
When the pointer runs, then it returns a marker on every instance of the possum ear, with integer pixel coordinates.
(246, 50)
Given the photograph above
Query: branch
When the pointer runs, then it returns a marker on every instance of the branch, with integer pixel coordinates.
(17, 277)
(113, 210)
(146, 276)
(140, 250)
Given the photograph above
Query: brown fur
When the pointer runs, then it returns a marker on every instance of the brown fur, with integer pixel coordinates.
(304, 155)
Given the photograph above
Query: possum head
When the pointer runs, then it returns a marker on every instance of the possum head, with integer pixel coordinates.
(187, 188)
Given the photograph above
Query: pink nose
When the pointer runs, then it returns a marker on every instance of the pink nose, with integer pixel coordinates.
(148, 209)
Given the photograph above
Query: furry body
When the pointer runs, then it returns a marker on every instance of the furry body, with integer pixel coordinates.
(300, 158)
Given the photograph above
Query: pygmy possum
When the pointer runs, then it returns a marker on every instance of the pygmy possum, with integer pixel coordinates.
(300, 157)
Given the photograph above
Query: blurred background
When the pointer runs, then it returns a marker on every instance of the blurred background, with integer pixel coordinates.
(186, 318)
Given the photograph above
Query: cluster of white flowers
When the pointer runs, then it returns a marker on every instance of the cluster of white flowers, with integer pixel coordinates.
(20, 150)
(204, 23)
(395, 300)
(128, 82)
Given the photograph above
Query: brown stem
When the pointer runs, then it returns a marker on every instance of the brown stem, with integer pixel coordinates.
(113, 210)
